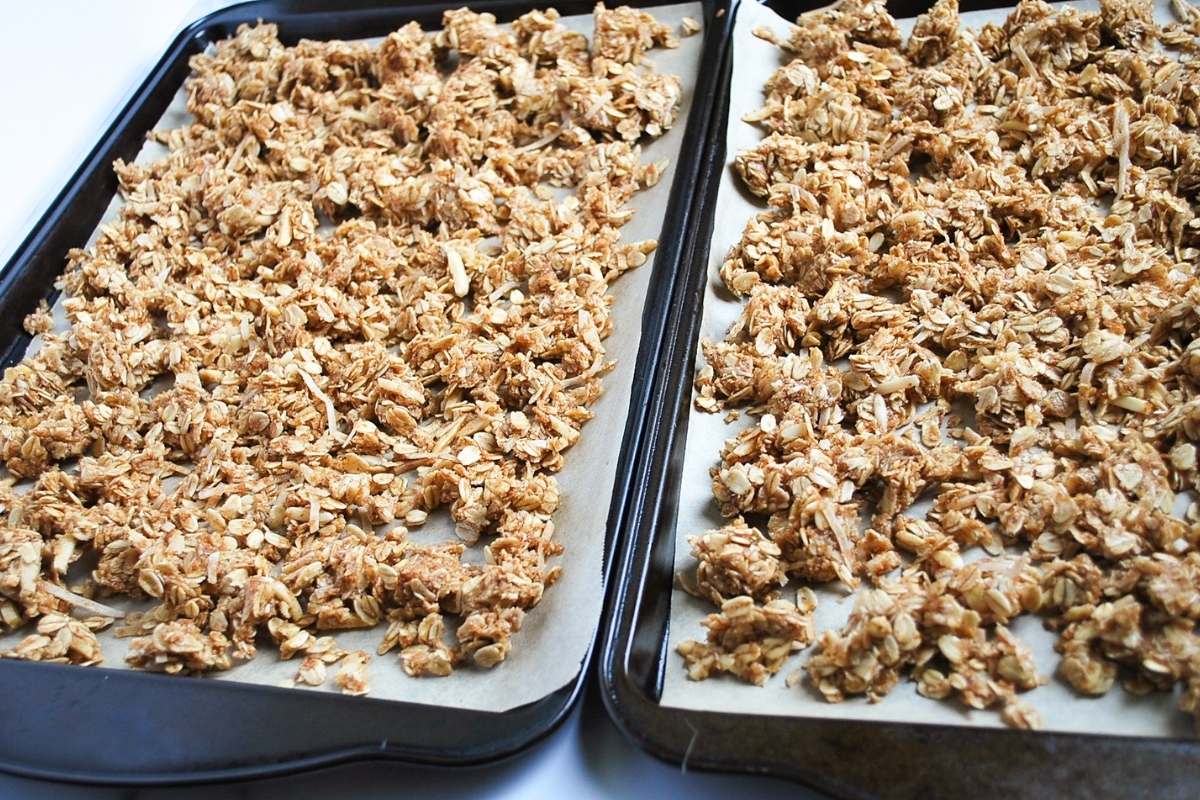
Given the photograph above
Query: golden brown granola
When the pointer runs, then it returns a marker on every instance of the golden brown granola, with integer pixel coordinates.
(938, 304)
(63, 639)
(737, 560)
(751, 641)
(180, 646)
(347, 296)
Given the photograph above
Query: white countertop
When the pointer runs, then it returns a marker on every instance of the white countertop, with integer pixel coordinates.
(67, 66)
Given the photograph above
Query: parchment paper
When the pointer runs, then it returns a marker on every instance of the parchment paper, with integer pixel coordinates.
(1061, 709)
(548, 651)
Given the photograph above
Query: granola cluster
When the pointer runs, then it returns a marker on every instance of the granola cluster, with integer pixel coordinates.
(975, 285)
(751, 641)
(366, 283)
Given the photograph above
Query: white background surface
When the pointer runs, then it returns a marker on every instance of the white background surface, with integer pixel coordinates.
(66, 67)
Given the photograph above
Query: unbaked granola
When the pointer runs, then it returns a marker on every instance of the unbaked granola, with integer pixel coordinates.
(364, 283)
(974, 284)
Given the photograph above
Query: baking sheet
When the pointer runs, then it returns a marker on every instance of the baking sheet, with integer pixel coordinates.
(548, 651)
(1118, 712)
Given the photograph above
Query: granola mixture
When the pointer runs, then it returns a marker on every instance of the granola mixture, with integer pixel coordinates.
(974, 288)
(366, 283)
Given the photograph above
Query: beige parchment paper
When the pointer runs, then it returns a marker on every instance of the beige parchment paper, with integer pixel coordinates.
(549, 650)
(1061, 709)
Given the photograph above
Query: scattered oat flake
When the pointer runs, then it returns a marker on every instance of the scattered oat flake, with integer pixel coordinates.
(352, 673)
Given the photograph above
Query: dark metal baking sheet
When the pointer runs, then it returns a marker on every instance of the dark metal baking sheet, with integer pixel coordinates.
(100, 725)
(847, 758)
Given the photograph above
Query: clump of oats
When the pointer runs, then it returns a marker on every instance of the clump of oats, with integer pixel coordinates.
(424, 651)
(751, 641)
(346, 298)
(180, 646)
(737, 560)
(62, 639)
(935, 250)
(880, 639)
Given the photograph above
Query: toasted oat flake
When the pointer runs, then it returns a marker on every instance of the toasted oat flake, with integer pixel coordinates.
(750, 641)
(347, 297)
(352, 673)
(992, 225)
